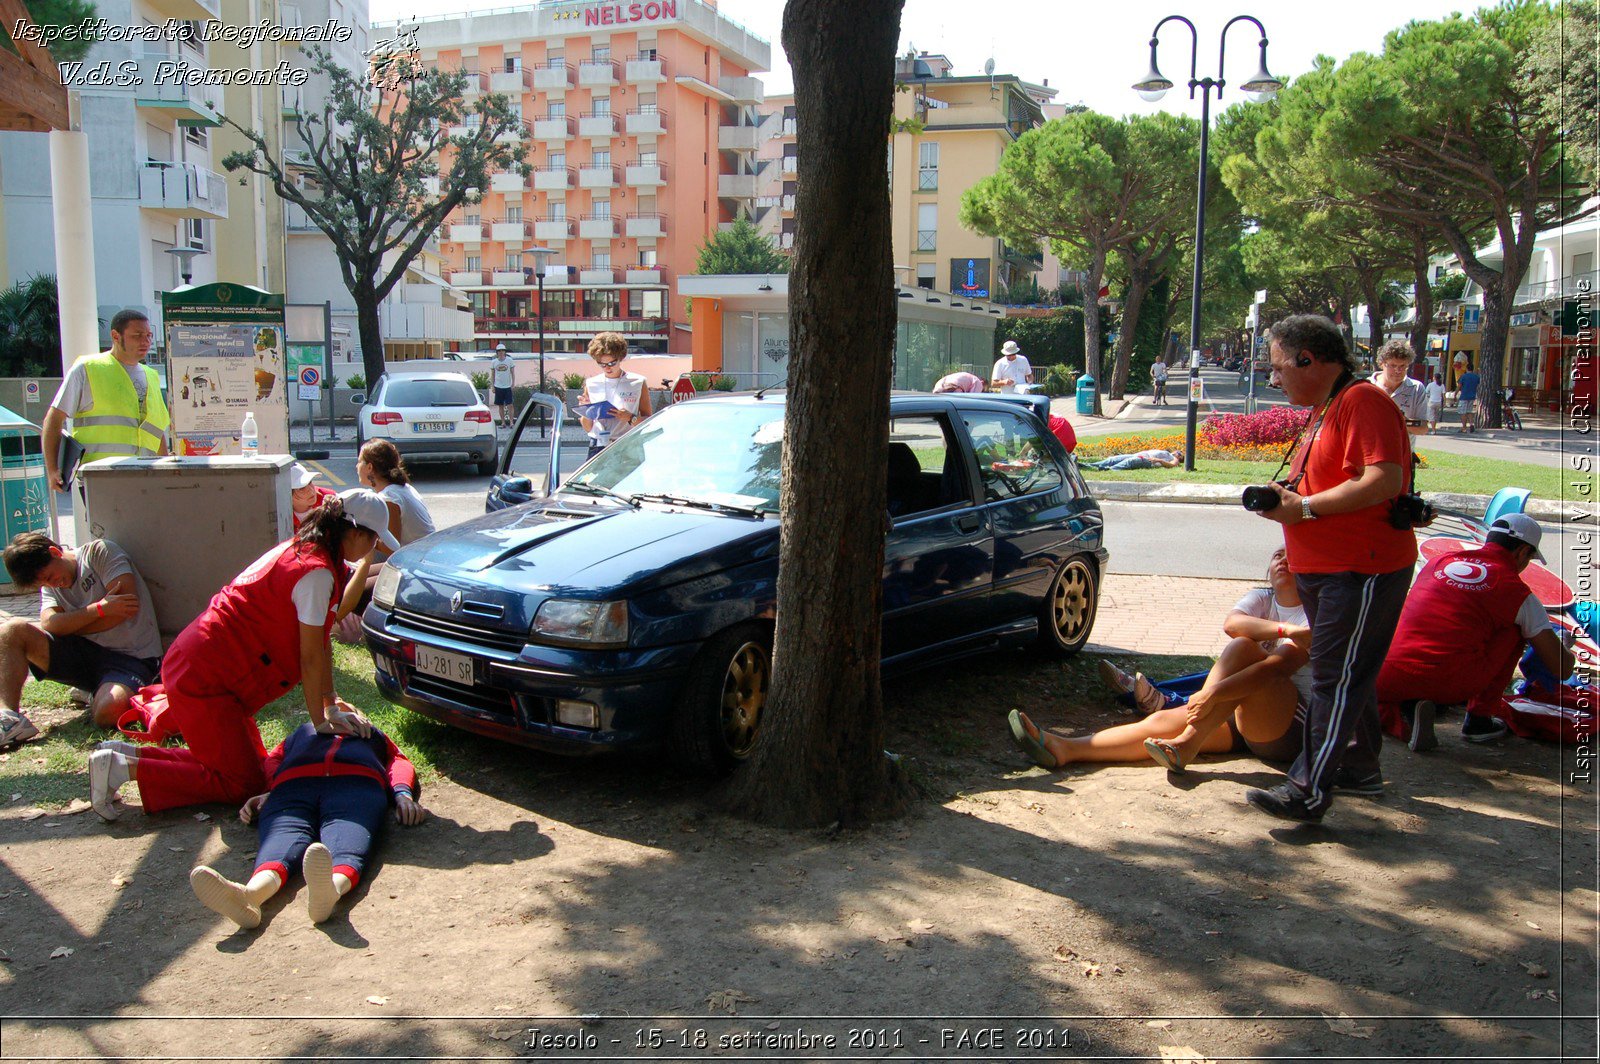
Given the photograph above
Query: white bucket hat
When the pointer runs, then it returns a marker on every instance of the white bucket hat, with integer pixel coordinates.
(1010, 348)
(366, 510)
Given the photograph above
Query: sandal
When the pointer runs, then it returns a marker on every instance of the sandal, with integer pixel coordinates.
(1164, 754)
(1030, 741)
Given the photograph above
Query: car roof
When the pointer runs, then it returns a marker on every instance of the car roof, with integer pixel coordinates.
(435, 375)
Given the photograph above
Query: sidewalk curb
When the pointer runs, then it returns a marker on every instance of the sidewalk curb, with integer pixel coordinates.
(1228, 495)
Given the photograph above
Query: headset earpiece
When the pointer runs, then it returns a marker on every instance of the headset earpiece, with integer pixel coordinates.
(1302, 362)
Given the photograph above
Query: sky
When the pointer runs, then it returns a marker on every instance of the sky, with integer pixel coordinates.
(1091, 53)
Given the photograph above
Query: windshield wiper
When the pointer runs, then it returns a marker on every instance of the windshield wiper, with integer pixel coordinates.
(701, 504)
(594, 489)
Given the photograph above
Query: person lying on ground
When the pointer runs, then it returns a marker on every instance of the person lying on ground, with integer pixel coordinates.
(96, 632)
(1142, 460)
(1253, 698)
(322, 813)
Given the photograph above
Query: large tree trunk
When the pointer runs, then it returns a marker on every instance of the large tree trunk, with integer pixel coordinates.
(369, 332)
(1138, 288)
(1094, 278)
(821, 756)
(1373, 294)
(1422, 303)
(1494, 331)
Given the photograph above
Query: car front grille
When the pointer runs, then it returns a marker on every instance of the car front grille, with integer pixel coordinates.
(464, 633)
(487, 699)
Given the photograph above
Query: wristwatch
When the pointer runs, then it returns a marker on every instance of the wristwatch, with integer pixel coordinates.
(1305, 509)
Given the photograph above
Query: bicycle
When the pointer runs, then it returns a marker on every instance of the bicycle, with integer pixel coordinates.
(1508, 413)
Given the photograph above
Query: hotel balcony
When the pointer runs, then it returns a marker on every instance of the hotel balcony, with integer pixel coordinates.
(466, 277)
(646, 225)
(198, 105)
(293, 103)
(738, 138)
(552, 77)
(743, 90)
(431, 185)
(597, 227)
(517, 278)
(645, 175)
(466, 232)
(552, 229)
(477, 84)
(507, 181)
(642, 275)
(464, 129)
(295, 219)
(597, 275)
(552, 178)
(597, 177)
(787, 204)
(791, 164)
(297, 160)
(788, 129)
(521, 131)
(183, 189)
(595, 124)
(191, 10)
(513, 231)
(786, 241)
(595, 73)
(646, 120)
(736, 186)
(551, 129)
(511, 82)
(642, 71)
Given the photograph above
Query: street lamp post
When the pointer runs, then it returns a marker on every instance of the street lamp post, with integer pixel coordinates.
(541, 256)
(1152, 87)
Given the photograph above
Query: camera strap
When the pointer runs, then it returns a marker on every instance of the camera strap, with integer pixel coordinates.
(1315, 426)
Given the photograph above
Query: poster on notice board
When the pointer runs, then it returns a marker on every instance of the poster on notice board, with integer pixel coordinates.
(225, 359)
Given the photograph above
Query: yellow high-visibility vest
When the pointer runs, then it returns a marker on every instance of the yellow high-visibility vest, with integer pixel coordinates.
(113, 425)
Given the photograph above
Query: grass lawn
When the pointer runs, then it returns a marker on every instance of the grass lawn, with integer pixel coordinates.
(1444, 472)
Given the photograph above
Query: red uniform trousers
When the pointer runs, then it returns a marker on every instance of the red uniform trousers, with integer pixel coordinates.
(1479, 681)
(223, 759)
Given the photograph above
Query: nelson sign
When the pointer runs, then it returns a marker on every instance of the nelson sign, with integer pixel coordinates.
(622, 14)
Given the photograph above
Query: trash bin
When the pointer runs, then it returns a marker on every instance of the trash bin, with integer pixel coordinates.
(24, 494)
(1085, 394)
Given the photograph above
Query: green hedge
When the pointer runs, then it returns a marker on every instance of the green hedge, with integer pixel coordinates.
(1056, 340)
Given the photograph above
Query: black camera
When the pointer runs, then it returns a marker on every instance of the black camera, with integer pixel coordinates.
(1410, 511)
(1259, 498)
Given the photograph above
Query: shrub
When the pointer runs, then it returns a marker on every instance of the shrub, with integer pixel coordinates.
(1059, 380)
(1093, 448)
(701, 381)
(356, 381)
(1274, 425)
(480, 381)
(723, 384)
(573, 381)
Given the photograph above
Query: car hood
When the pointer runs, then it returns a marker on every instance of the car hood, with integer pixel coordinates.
(587, 549)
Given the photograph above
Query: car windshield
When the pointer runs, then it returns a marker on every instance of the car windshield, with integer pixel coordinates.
(429, 393)
(725, 453)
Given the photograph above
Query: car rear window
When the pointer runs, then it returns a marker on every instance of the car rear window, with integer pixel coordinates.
(429, 393)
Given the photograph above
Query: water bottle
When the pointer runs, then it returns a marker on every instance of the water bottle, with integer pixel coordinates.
(249, 441)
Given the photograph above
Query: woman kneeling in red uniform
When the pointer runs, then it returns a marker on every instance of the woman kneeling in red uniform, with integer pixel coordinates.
(262, 634)
(324, 807)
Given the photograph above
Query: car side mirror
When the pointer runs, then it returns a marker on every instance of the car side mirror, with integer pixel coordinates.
(518, 486)
(359, 399)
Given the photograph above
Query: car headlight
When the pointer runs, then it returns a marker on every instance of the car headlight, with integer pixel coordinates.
(384, 591)
(581, 621)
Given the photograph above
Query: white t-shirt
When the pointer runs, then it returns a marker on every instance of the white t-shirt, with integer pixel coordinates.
(99, 563)
(1013, 371)
(1532, 617)
(311, 596)
(1158, 371)
(415, 520)
(623, 393)
(1261, 603)
(503, 375)
(1435, 393)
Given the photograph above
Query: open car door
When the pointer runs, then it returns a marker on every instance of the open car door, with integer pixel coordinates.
(530, 465)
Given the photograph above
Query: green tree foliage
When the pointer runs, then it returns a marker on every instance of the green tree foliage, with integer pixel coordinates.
(1441, 133)
(56, 13)
(1563, 69)
(370, 155)
(741, 249)
(1089, 185)
(30, 329)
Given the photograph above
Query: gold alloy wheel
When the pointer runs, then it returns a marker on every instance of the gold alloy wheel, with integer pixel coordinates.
(744, 696)
(1072, 602)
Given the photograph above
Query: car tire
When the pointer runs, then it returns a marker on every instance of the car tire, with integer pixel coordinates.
(489, 468)
(1066, 617)
(718, 711)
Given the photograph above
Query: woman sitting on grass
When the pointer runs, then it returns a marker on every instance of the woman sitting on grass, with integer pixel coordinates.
(1258, 688)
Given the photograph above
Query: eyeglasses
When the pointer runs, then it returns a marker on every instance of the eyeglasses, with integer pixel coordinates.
(605, 363)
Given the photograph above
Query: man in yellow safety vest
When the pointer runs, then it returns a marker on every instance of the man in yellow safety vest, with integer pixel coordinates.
(113, 399)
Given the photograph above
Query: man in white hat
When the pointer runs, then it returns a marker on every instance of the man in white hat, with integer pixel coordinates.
(503, 377)
(1011, 368)
(1464, 626)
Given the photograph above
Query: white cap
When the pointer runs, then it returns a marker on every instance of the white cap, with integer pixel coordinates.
(301, 477)
(1010, 348)
(499, 347)
(1520, 527)
(366, 510)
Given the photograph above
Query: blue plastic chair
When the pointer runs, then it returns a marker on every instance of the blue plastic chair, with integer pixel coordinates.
(1503, 502)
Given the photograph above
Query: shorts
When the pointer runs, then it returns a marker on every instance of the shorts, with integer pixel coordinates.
(78, 661)
(502, 397)
(1285, 748)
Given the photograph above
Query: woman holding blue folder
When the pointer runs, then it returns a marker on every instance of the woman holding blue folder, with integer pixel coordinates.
(614, 400)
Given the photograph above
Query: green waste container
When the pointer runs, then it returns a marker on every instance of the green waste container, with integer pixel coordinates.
(1085, 394)
(24, 493)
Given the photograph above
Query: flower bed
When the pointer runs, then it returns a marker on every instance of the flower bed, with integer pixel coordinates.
(1095, 448)
(1276, 425)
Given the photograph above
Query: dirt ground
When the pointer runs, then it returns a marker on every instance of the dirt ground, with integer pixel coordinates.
(1014, 914)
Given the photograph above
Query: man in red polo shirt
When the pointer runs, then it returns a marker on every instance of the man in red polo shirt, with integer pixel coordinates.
(1351, 565)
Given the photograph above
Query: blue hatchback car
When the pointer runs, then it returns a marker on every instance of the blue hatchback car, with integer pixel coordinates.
(634, 605)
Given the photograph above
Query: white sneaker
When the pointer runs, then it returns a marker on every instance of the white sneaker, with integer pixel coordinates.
(101, 794)
(321, 897)
(223, 897)
(15, 728)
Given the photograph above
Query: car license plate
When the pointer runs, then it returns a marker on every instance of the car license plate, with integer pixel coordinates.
(456, 668)
(433, 426)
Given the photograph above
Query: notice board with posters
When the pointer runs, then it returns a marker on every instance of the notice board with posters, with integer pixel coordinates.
(225, 358)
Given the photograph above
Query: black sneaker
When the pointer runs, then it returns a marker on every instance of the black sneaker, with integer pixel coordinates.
(1480, 729)
(1369, 786)
(1422, 737)
(1283, 802)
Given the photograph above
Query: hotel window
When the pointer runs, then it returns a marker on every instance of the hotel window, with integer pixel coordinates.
(601, 53)
(925, 274)
(558, 211)
(647, 258)
(602, 105)
(513, 214)
(928, 166)
(558, 160)
(602, 209)
(474, 264)
(927, 226)
(513, 260)
(606, 303)
(602, 258)
(647, 158)
(555, 56)
(558, 109)
(647, 53)
(473, 219)
(602, 158)
(513, 64)
(647, 205)
(480, 304)
(516, 109)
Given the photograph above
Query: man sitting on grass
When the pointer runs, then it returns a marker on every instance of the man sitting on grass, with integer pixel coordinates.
(1143, 460)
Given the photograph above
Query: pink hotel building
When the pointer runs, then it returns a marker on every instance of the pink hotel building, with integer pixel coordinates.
(641, 126)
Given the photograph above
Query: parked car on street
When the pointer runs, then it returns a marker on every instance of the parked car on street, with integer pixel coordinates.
(634, 605)
(434, 417)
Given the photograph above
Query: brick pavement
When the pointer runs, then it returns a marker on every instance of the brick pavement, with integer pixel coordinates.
(1163, 614)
